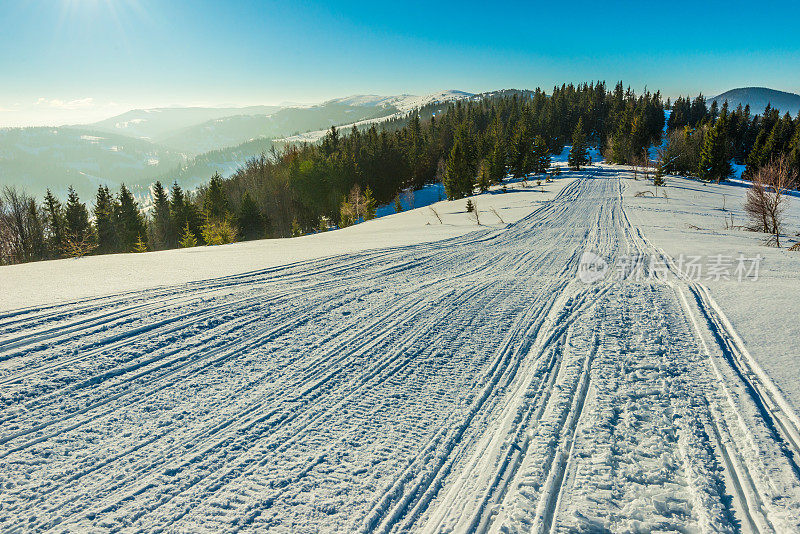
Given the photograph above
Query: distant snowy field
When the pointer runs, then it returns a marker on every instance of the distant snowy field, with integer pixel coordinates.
(412, 375)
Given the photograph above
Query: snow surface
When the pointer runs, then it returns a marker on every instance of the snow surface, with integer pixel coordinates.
(404, 375)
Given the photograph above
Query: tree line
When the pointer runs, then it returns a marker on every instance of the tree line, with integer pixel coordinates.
(341, 180)
(703, 140)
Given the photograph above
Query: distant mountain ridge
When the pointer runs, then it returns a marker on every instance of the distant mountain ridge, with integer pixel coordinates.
(758, 98)
(187, 144)
(161, 122)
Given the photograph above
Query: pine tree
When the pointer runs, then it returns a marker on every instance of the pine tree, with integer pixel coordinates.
(177, 206)
(76, 218)
(470, 206)
(578, 154)
(188, 239)
(249, 219)
(130, 221)
(497, 162)
(163, 229)
(398, 206)
(714, 163)
(55, 223)
(370, 206)
(540, 155)
(458, 179)
(484, 176)
(497, 157)
(215, 203)
(521, 158)
(183, 212)
(658, 177)
(140, 245)
(105, 213)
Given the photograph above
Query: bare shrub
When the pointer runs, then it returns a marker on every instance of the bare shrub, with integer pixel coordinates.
(475, 214)
(436, 213)
(766, 199)
(497, 215)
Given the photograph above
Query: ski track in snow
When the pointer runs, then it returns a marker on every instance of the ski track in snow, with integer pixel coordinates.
(468, 385)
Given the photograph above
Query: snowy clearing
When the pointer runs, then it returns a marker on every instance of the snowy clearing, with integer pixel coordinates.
(455, 380)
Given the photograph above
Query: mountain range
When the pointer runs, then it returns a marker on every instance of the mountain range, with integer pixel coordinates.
(187, 144)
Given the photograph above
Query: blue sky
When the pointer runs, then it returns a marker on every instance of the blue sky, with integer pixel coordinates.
(69, 60)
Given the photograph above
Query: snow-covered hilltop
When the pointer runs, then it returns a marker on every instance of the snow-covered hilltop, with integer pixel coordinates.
(555, 368)
(402, 103)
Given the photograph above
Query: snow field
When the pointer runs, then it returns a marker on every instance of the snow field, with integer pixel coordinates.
(467, 384)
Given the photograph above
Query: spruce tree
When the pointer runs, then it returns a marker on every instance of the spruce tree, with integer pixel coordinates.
(188, 238)
(163, 229)
(521, 159)
(578, 154)
(55, 223)
(249, 219)
(714, 163)
(540, 155)
(215, 203)
(297, 231)
(497, 162)
(458, 178)
(484, 176)
(183, 211)
(130, 221)
(105, 213)
(76, 218)
(398, 206)
(177, 206)
(370, 206)
(140, 245)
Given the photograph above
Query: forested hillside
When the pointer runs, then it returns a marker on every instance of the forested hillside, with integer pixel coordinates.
(467, 144)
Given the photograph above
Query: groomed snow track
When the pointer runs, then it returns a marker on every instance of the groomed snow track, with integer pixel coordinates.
(468, 385)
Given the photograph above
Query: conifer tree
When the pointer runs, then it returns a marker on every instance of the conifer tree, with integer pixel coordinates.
(177, 206)
(215, 203)
(497, 162)
(540, 155)
(249, 219)
(105, 213)
(140, 245)
(370, 206)
(163, 229)
(458, 178)
(484, 176)
(187, 239)
(130, 221)
(578, 154)
(55, 223)
(76, 218)
(398, 206)
(520, 150)
(714, 163)
(183, 212)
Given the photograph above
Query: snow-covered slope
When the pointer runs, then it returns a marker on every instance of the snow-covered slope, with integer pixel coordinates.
(499, 380)
(403, 103)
